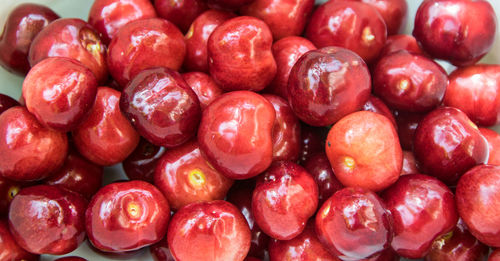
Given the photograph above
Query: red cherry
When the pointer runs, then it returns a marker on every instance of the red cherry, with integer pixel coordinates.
(204, 86)
(9, 249)
(321, 170)
(141, 163)
(180, 12)
(493, 139)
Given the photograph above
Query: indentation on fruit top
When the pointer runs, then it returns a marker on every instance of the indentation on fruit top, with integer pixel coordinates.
(12, 192)
(349, 163)
(91, 42)
(367, 35)
(134, 210)
(403, 84)
(440, 242)
(196, 178)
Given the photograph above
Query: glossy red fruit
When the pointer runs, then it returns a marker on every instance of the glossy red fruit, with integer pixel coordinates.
(144, 44)
(6, 102)
(319, 167)
(8, 189)
(394, 12)
(457, 245)
(126, 216)
(162, 107)
(286, 130)
(475, 90)
(228, 5)
(241, 46)
(493, 139)
(447, 144)
(409, 163)
(217, 229)
(312, 141)
(375, 104)
(184, 176)
(160, 251)
(141, 163)
(78, 175)
(478, 200)
(305, 246)
(423, 208)
(22, 25)
(495, 255)
(47, 219)
(407, 125)
(197, 38)
(400, 42)
(460, 31)
(71, 258)
(235, 134)
(105, 137)
(71, 38)
(180, 12)
(60, 92)
(28, 150)
(284, 17)
(286, 52)
(386, 255)
(204, 86)
(364, 151)
(285, 197)
(240, 195)
(108, 16)
(9, 249)
(327, 84)
(358, 27)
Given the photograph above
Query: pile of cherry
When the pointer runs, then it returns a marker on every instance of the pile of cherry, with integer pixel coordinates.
(289, 132)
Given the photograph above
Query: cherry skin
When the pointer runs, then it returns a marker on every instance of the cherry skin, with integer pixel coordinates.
(477, 201)
(72, 88)
(493, 139)
(28, 150)
(241, 46)
(6, 102)
(305, 246)
(409, 163)
(161, 106)
(71, 38)
(400, 42)
(9, 249)
(23, 24)
(78, 175)
(105, 137)
(286, 52)
(8, 189)
(160, 251)
(126, 216)
(375, 104)
(327, 84)
(184, 176)
(363, 150)
(143, 44)
(240, 195)
(285, 197)
(312, 141)
(319, 167)
(460, 31)
(447, 144)
(359, 27)
(228, 5)
(180, 12)
(141, 163)
(197, 38)
(475, 90)
(284, 17)
(407, 123)
(108, 16)
(235, 134)
(457, 245)
(217, 229)
(71, 258)
(423, 208)
(47, 219)
(204, 86)
(495, 255)
(409, 82)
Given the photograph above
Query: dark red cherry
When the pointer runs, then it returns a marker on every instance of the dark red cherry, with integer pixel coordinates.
(141, 163)
(321, 170)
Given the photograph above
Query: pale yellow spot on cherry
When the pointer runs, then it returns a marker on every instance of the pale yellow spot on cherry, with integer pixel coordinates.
(196, 178)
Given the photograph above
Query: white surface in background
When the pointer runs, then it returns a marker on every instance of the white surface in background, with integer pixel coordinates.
(11, 84)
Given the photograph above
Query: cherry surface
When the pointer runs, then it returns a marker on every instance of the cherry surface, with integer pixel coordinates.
(319, 167)
(180, 12)
(407, 123)
(460, 31)
(184, 176)
(204, 86)
(363, 150)
(327, 84)
(475, 90)
(228, 5)
(6, 102)
(241, 46)
(141, 163)
(105, 137)
(160, 251)
(423, 208)
(375, 104)
(217, 229)
(60, 92)
(8, 189)
(126, 216)
(410, 165)
(286, 52)
(493, 139)
(9, 249)
(400, 42)
(28, 150)
(161, 106)
(24, 22)
(108, 16)
(144, 44)
(285, 197)
(284, 17)
(71, 38)
(47, 219)
(359, 27)
(235, 134)
(495, 255)
(394, 13)
(312, 141)
(447, 144)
